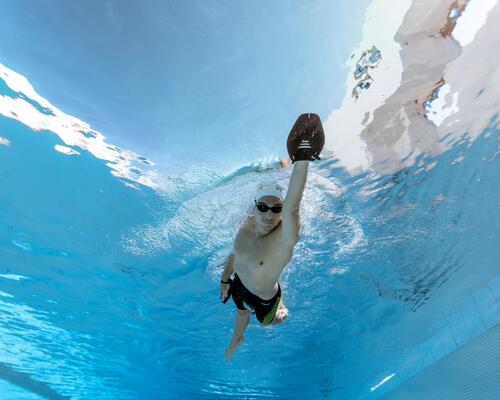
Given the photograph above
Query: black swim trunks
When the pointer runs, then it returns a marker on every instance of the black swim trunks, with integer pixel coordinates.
(264, 310)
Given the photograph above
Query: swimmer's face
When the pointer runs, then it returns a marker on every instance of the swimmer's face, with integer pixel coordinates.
(265, 218)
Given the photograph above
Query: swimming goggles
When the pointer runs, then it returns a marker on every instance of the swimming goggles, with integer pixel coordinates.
(264, 208)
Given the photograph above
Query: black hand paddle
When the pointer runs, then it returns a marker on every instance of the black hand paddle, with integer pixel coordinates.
(306, 139)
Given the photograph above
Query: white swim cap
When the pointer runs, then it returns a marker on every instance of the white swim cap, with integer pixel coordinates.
(269, 189)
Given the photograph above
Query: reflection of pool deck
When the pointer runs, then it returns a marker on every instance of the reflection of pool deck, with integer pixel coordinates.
(471, 372)
(424, 54)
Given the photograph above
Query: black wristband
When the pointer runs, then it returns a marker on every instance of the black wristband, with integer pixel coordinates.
(226, 282)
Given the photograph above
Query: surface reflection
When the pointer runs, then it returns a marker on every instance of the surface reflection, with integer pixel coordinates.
(441, 90)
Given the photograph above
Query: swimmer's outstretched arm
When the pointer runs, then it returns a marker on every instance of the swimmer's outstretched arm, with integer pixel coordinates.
(290, 218)
(296, 186)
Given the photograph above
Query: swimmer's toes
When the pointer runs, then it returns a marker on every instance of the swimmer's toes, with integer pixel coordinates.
(281, 314)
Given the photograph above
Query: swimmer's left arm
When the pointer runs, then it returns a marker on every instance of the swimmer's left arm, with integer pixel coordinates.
(291, 205)
(296, 187)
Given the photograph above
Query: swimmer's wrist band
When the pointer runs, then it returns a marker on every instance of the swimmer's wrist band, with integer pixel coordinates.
(225, 282)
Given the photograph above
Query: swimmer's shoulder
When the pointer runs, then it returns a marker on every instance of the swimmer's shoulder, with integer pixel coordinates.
(248, 224)
(245, 230)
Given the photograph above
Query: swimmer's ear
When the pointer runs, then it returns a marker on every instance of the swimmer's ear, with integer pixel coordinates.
(306, 139)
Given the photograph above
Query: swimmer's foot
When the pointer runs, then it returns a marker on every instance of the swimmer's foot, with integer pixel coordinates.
(228, 353)
(281, 314)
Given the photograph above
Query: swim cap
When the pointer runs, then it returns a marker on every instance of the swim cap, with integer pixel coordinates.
(269, 189)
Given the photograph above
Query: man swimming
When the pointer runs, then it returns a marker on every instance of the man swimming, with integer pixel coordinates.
(264, 243)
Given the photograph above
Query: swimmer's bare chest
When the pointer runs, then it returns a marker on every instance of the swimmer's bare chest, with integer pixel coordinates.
(260, 261)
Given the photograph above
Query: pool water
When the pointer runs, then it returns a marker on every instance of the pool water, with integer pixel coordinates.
(110, 268)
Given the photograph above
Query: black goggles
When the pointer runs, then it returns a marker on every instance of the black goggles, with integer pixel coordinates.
(264, 208)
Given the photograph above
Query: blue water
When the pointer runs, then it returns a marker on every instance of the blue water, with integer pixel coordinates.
(116, 294)
(109, 286)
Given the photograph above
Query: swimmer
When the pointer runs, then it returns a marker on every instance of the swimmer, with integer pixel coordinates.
(264, 244)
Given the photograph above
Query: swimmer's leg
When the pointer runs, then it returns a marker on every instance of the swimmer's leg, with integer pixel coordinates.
(240, 324)
(281, 313)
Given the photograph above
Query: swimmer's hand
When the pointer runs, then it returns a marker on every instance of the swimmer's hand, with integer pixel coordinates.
(225, 291)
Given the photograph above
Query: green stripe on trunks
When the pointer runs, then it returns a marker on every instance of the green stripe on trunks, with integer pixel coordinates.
(269, 317)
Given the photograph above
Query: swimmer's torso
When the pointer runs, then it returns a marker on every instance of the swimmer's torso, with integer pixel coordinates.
(260, 261)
